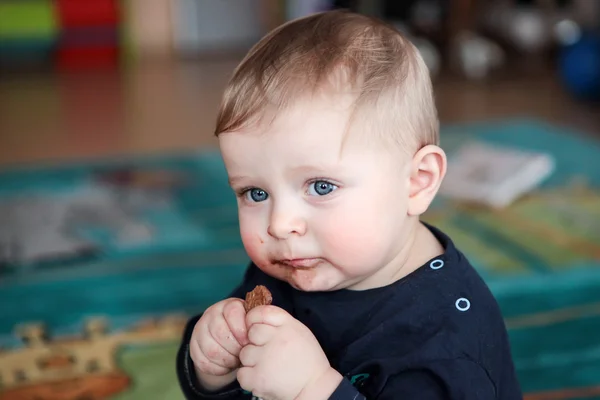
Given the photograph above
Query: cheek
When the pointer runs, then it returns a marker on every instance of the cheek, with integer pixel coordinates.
(352, 239)
(361, 232)
(255, 246)
(252, 237)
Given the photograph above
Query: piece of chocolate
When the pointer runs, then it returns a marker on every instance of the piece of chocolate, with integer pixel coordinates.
(260, 296)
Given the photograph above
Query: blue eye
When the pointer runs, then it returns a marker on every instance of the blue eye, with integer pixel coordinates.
(321, 188)
(256, 195)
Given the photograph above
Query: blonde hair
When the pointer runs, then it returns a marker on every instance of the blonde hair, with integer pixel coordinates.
(385, 71)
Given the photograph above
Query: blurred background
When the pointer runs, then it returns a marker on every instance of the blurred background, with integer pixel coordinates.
(116, 222)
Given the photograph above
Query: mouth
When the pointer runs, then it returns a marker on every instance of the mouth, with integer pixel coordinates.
(300, 263)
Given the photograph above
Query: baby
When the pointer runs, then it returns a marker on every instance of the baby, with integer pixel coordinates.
(329, 134)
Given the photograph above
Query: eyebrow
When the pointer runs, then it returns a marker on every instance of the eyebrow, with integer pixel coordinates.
(313, 169)
(302, 169)
(235, 179)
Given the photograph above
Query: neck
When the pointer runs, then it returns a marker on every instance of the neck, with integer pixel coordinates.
(420, 246)
(423, 247)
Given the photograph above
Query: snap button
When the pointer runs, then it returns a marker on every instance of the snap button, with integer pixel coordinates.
(462, 304)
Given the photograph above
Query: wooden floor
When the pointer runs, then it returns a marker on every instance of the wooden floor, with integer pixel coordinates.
(166, 106)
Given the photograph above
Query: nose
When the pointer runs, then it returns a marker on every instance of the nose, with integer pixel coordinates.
(284, 224)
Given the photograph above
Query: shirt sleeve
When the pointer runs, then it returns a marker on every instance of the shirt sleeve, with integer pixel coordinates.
(186, 373)
(442, 380)
(345, 391)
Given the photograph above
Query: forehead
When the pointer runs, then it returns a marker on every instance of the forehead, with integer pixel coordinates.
(312, 130)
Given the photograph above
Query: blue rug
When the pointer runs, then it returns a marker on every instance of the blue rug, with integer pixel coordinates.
(144, 242)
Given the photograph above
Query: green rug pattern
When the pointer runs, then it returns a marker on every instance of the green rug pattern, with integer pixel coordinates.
(144, 242)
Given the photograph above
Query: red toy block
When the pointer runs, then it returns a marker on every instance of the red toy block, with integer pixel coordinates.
(79, 13)
(89, 36)
(90, 57)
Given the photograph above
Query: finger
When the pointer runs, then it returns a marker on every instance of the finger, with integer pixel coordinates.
(250, 355)
(220, 332)
(245, 378)
(249, 380)
(203, 364)
(215, 353)
(269, 315)
(235, 316)
(261, 334)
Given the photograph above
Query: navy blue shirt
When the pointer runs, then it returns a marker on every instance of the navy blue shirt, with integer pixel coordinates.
(435, 334)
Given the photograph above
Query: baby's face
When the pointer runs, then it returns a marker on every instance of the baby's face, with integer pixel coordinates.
(312, 214)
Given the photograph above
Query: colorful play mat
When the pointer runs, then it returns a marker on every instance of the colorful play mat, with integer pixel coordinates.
(100, 263)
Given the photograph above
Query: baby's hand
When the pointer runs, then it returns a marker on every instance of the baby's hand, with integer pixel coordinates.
(284, 360)
(216, 342)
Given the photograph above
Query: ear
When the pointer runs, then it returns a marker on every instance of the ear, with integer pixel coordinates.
(428, 169)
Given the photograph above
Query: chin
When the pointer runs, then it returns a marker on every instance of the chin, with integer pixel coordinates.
(309, 288)
(312, 280)
(317, 279)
